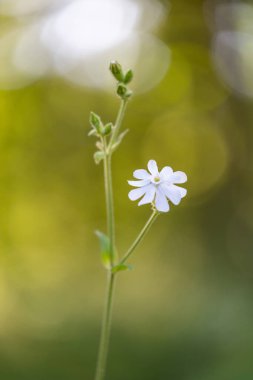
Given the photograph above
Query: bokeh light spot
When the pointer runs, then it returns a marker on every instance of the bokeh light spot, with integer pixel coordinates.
(233, 55)
(190, 143)
(92, 71)
(87, 27)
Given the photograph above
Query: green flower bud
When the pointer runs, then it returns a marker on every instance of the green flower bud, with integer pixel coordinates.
(128, 77)
(123, 91)
(116, 71)
(107, 129)
(96, 122)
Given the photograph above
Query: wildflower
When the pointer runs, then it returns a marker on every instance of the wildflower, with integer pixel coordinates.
(158, 187)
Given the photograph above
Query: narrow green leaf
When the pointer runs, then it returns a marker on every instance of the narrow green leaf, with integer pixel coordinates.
(121, 267)
(107, 129)
(122, 135)
(92, 132)
(104, 248)
(119, 140)
(95, 120)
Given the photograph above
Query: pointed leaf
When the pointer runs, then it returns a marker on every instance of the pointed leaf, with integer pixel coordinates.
(121, 267)
(95, 120)
(107, 129)
(92, 132)
(104, 248)
(119, 139)
(122, 135)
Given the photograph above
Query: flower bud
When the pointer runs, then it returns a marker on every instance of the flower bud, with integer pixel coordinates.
(116, 71)
(128, 77)
(107, 129)
(95, 122)
(123, 91)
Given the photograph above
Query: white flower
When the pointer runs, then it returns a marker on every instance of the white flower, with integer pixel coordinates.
(158, 187)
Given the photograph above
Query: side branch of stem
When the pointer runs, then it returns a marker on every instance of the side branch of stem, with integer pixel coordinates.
(139, 237)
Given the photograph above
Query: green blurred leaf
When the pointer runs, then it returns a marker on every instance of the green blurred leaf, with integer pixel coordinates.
(95, 121)
(92, 132)
(121, 267)
(98, 156)
(107, 129)
(104, 248)
(119, 140)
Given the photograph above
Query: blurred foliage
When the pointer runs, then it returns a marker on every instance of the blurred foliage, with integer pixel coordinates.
(185, 311)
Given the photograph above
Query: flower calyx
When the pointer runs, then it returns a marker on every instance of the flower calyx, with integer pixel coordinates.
(116, 70)
(123, 91)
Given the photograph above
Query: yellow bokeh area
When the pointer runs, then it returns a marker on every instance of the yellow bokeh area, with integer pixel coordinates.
(185, 310)
(192, 141)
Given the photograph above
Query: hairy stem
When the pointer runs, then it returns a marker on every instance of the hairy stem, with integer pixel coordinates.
(109, 205)
(118, 123)
(105, 333)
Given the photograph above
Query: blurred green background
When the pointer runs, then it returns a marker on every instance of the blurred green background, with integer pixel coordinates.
(185, 312)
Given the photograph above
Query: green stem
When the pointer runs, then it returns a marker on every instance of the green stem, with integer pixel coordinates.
(105, 333)
(108, 179)
(109, 204)
(140, 236)
(118, 123)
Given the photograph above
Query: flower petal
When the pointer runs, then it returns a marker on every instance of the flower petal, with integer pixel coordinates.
(172, 192)
(179, 177)
(149, 196)
(183, 191)
(152, 167)
(137, 193)
(166, 173)
(161, 202)
(141, 174)
(141, 183)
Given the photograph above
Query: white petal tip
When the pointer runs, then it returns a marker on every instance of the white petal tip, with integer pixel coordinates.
(179, 177)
